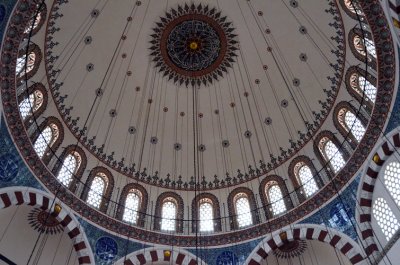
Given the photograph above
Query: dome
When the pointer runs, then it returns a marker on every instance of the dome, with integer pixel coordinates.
(225, 120)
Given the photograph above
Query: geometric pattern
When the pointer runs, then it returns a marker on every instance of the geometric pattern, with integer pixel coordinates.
(177, 256)
(193, 45)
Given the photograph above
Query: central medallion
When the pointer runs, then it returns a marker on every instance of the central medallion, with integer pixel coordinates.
(193, 45)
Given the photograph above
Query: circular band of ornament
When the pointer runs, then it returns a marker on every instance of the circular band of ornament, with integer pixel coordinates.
(193, 45)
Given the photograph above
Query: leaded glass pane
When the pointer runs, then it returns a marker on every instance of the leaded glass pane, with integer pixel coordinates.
(168, 216)
(131, 207)
(334, 156)
(354, 125)
(35, 24)
(353, 7)
(67, 170)
(368, 88)
(26, 106)
(244, 217)
(276, 200)
(206, 217)
(385, 218)
(307, 180)
(392, 180)
(20, 66)
(96, 192)
(43, 141)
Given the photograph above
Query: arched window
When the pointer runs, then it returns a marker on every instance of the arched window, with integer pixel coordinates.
(206, 215)
(351, 123)
(21, 61)
(97, 190)
(362, 46)
(306, 178)
(46, 139)
(353, 7)
(31, 104)
(385, 218)
(132, 204)
(275, 197)
(169, 214)
(69, 167)
(243, 211)
(37, 21)
(331, 154)
(363, 87)
(392, 180)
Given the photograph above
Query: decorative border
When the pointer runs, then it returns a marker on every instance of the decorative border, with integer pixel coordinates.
(16, 197)
(386, 57)
(339, 241)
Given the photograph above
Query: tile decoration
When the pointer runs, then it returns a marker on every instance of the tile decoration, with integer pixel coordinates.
(13, 171)
(394, 120)
(339, 213)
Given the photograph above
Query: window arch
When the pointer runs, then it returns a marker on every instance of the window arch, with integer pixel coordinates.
(205, 209)
(327, 146)
(98, 188)
(275, 196)
(305, 178)
(132, 205)
(48, 137)
(392, 180)
(36, 21)
(350, 123)
(362, 86)
(33, 101)
(385, 218)
(70, 166)
(363, 46)
(30, 60)
(353, 9)
(169, 212)
(242, 208)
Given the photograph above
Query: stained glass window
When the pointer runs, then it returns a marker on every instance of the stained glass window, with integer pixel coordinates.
(96, 191)
(307, 180)
(206, 216)
(132, 204)
(364, 46)
(276, 199)
(45, 139)
(385, 218)
(243, 211)
(68, 168)
(168, 215)
(392, 180)
(332, 154)
(30, 64)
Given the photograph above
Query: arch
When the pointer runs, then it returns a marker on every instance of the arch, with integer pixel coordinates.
(142, 206)
(339, 119)
(15, 196)
(232, 209)
(34, 54)
(77, 174)
(39, 19)
(264, 198)
(216, 211)
(365, 93)
(156, 254)
(359, 42)
(319, 141)
(336, 239)
(366, 189)
(294, 167)
(39, 101)
(179, 213)
(352, 8)
(50, 150)
(106, 196)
